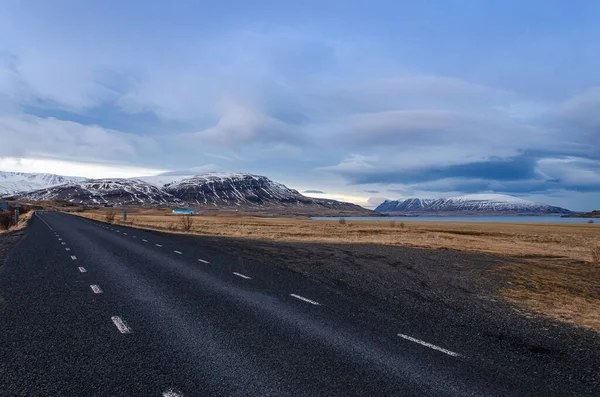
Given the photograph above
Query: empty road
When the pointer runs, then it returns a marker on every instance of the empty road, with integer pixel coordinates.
(91, 309)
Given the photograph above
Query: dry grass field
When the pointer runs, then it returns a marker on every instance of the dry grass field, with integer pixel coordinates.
(550, 268)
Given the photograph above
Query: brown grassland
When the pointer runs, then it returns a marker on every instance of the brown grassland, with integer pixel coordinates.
(550, 268)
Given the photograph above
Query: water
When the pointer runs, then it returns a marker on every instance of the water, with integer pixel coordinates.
(510, 219)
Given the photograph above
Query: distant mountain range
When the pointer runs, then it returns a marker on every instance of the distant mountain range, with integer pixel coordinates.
(484, 204)
(213, 190)
(14, 182)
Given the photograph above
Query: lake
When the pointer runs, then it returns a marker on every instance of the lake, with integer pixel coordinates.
(509, 219)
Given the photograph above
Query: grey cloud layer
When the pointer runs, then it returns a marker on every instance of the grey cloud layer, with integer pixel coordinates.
(315, 105)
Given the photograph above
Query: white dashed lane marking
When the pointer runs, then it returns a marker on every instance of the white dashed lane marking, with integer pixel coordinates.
(203, 261)
(82, 269)
(158, 245)
(67, 249)
(172, 393)
(96, 288)
(73, 257)
(125, 234)
(63, 243)
(145, 240)
(242, 276)
(178, 252)
(123, 328)
(305, 299)
(429, 345)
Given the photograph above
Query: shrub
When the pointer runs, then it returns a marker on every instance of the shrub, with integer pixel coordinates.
(110, 216)
(392, 223)
(591, 221)
(186, 222)
(596, 255)
(342, 221)
(6, 220)
(402, 225)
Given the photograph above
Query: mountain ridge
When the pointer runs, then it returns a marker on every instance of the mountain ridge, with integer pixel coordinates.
(469, 204)
(15, 182)
(211, 190)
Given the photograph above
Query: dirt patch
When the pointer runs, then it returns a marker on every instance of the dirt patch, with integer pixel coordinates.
(457, 280)
(556, 288)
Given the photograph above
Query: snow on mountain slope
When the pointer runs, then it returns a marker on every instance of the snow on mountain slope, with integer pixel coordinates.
(14, 182)
(161, 180)
(229, 190)
(472, 203)
(104, 191)
(247, 190)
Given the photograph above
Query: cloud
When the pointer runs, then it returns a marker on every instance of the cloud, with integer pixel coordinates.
(364, 170)
(375, 201)
(240, 125)
(314, 191)
(422, 92)
(30, 136)
(252, 90)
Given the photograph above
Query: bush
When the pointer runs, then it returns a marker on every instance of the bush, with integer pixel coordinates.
(392, 223)
(402, 225)
(342, 221)
(110, 216)
(591, 221)
(596, 255)
(6, 220)
(186, 222)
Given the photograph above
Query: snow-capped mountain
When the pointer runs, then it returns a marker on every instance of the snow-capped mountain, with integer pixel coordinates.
(472, 203)
(212, 190)
(163, 179)
(247, 190)
(104, 191)
(14, 182)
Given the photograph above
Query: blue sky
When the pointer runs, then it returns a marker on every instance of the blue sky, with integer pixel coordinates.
(361, 101)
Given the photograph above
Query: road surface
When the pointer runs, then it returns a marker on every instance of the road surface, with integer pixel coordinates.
(91, 309)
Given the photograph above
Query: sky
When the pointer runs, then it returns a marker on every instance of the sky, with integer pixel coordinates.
(359, 101)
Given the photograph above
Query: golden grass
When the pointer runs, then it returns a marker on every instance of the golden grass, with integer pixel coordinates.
(23, 221)
(550, 267)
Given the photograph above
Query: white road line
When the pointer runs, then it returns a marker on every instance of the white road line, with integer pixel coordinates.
(73, 257)
(67, 249)
(178, 252)
(82, 269)
(429, 345)
(96, 289)
(145, 240)
(60, 239)
(123, 328)
(63, 243)
(305, 299)
(158, 245)
(203, 261)
(134, 236)
(172, 393)
(125, 234)
(242, 276)
(38, 215)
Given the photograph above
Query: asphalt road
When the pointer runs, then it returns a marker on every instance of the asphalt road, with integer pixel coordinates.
(90, 309)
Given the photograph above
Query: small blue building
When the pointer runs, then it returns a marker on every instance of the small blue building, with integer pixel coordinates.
(3, 206)
(180, 211)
